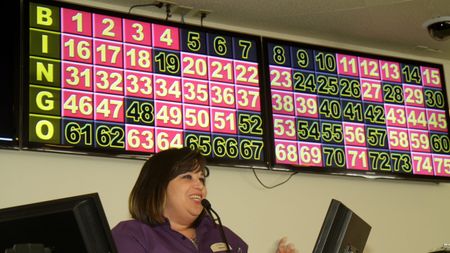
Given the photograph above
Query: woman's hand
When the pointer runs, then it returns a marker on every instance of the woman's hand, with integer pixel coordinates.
(284, 247)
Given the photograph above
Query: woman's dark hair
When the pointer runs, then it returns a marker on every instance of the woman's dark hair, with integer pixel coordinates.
(147, 198)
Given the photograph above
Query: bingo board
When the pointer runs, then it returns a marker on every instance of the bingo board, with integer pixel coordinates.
(107, 83)
(335, 110)
(113, 83)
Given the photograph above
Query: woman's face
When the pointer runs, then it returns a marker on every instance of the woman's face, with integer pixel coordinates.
(183, 198)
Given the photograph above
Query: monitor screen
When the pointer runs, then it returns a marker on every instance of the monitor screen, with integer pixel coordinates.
(110, 83)
(69, 225)
(352, 112)
(343, 231)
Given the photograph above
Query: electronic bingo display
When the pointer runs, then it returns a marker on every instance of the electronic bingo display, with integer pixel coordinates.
(341, 111)
(119, 84)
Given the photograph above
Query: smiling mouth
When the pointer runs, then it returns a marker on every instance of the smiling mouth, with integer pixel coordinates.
(196, 197)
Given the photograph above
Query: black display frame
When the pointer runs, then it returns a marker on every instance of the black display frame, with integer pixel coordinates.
(11, 73)
(70, 149)
(333, 170)
(69, 224)
(342, 230)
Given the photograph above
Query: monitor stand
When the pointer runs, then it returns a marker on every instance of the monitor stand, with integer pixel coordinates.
(28, 248)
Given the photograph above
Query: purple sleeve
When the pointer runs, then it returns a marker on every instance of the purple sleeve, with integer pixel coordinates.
(127, 239)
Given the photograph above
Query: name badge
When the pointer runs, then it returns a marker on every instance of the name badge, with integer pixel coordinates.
(219, 247)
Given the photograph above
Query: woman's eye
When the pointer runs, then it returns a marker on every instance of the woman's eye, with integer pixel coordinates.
(187, 176)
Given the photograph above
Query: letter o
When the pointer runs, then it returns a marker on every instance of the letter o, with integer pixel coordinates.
(40, 131)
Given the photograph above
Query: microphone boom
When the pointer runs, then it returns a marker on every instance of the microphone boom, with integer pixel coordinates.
(207, 205)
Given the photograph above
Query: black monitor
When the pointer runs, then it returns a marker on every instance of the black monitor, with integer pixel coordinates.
(342, 231)
(69, 225)
(10, 75)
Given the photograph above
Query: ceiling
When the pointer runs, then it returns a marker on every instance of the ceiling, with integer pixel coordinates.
(395, 25)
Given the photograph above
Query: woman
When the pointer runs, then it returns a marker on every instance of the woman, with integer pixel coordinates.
(168, 217)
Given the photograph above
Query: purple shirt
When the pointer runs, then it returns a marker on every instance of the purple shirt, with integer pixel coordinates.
(133, 236)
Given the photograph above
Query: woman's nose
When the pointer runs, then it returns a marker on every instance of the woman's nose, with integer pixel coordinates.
(198, 183)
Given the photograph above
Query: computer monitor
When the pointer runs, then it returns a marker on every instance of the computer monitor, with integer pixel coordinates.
(342, 231)
(69, 225)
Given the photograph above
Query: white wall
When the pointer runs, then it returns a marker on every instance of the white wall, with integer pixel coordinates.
(406, 216)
